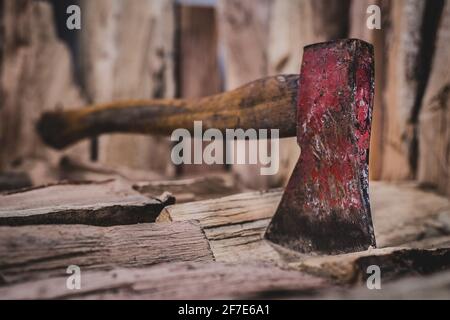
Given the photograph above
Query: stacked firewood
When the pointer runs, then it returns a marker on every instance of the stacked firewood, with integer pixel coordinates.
(147, 48)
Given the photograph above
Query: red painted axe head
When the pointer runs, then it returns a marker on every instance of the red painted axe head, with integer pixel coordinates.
(325, 207)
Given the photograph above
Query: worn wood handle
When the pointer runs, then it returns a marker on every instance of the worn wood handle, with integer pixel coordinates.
(268, 103)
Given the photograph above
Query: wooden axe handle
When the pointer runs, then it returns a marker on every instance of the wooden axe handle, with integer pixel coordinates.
(268, 103)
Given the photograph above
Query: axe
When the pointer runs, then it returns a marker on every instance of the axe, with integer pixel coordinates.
(325, 207)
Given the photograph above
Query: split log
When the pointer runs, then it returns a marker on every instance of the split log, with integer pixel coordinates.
(73, 170)
(174, 281)
(198, 43)
(198, 37)
(127, 53)
(194, 189)
(244, 30)
(39, 252)
(93, 203)
(434, 118)
(35, 75)
(235, 225)
(402, 53)
(393, 262)
(434, 287)
(410, 34)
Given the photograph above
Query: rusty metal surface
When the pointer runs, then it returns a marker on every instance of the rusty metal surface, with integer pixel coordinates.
(325, 207)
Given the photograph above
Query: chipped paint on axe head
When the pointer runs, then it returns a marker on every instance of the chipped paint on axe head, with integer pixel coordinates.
(325, 207)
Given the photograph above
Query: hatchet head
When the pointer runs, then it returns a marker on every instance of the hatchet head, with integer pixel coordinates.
(325, 207)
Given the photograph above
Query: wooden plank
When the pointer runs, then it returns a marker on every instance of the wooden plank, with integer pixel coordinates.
(106, 203)
(37, 252)
(235, 225)
(174, 281)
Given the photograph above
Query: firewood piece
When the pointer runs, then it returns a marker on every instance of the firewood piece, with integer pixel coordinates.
(433, 287)
(36, 252)
(394, 262)
(36, 75)
(234, 225)
(173, 281)
(74, 170)
(104, 203)
(128, 53)
(192, 189)
(434, 118)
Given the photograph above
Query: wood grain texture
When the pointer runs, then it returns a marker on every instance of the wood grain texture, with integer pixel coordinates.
(431, 287)
(198, 67)
(126, 51)
(244, 30)
(434, 118)
(395, 262)
(402, 55)
(37, 252)
(234, 225)
(105, 203)
(174, 281)
(36, 74)
(192, 189)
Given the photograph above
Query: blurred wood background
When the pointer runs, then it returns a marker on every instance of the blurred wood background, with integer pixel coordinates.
(166, 48)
